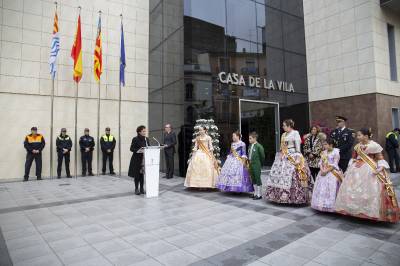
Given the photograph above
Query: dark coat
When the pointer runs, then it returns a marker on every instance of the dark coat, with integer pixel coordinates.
(170, 141)
(391, 141)
(344, 141)
(63, 142)
(136, 164)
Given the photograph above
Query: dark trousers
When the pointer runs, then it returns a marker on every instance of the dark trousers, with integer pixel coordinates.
(60, 157)
(343, 163)
(139, 183)
(169, 163)
(314, 172)
(110, 157)
(393, 156)
(28, 163)
(87, 158)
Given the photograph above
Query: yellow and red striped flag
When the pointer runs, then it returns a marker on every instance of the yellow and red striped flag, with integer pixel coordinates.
(76, 53)
(98, 55)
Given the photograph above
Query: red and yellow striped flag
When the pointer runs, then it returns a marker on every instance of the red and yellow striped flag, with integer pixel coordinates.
(76, 53)
(98, 56)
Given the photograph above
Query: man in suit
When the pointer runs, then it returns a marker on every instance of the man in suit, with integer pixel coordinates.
(344, 140)
(256, 158)
(169, 150)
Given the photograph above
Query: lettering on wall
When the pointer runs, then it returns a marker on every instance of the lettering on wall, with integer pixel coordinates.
(256, 82)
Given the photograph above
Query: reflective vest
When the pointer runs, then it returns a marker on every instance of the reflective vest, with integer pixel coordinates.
(109, 138)
(390, 133)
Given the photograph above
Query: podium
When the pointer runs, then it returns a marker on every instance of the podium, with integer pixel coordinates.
(151, 169)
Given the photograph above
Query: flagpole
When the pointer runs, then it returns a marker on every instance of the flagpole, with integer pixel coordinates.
(98, 125)
(52, 121)
(76, 121)
(119, 121)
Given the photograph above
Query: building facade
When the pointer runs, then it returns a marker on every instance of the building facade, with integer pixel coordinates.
(352, 62)
(26, 87)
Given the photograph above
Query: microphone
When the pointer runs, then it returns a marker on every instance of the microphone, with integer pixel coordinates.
(157, 141)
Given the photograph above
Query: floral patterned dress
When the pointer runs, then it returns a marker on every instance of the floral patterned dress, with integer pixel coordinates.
(203, 168)
(326, 187)
(235, 175)
(287, 183)
(362, 193)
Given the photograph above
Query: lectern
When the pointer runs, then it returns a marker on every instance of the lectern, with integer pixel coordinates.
(151, 169)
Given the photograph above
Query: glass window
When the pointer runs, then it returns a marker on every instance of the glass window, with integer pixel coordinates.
(241, 19)
(212, 11)
(392, 52)
(395, 117)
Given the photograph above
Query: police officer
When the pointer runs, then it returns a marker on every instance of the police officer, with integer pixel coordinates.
(107, 143)
(34, 144)
(392, 144)
(343, 139)
(86, 143)
(64, 146)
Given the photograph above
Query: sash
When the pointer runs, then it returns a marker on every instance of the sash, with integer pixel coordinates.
(333, 171)
(300, 167)
(244, 161)
(382, 176)
(202, 147)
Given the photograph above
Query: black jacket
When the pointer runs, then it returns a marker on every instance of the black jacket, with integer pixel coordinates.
(86, 142)
(344, 141)
(107, 142)
(391, 141)
(63, 143)
(136, 163)
(170, 141)
(34, 143)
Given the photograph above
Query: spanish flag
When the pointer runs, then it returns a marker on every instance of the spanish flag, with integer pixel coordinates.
(98, 56)
(76, 53)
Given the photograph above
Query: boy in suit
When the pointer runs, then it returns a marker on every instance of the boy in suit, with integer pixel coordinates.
(256, 159)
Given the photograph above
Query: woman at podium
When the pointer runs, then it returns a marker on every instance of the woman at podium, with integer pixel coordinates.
(203, 167)
(136, 166)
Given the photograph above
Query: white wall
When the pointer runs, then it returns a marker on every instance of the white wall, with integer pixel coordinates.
(25, 84)
(347, 48)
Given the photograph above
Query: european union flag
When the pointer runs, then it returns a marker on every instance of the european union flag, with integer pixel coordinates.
(122, 61)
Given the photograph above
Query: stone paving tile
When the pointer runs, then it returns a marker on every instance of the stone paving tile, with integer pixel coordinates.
(47, 260)
(177, 257)
(281, 258)
(126, 257)
(331, 258)
(78, 254)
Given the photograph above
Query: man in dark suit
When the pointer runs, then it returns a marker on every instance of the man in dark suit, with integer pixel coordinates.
(169, 150)
(343, 139)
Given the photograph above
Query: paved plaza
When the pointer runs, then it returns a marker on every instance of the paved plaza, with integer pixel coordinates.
(99, 221)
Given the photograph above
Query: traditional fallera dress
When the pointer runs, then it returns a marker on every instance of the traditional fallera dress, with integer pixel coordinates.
(326, 187)
(202, 171)
(289, 180)
(235, 175)
(365, 194)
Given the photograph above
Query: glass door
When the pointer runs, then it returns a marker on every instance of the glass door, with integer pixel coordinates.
(262, 117)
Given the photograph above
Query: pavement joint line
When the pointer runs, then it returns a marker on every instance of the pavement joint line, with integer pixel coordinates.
(5, 259)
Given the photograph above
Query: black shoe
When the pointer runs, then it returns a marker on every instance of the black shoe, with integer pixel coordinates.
(112, 173)
(137, 192)
(103, 173)
(142, 191)
(257, 198)
(164, 176)
(169, 177)
(58, 177)
(83, 174)
(91, 174)
(25, 179)
(251, 196)
(39, 178)
(393, 171)
(68, 176)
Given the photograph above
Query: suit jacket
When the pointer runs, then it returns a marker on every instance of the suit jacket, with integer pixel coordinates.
(344, 141)
(256, 157)
(136, 163)
(170, 140)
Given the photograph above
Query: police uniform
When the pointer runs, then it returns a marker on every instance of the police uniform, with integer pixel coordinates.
(343, 139)
(33, 142)
(107, 142)
(85, 142)
(392, 144)
(63, 142)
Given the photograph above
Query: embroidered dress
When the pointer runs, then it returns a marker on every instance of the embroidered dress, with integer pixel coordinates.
(326, 187)
(202, 170)
(287, 183)
(364, 194)
(234, 175)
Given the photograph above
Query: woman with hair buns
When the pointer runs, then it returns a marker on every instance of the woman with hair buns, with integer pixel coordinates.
(367, 191)
(289, 180)
(235, 176)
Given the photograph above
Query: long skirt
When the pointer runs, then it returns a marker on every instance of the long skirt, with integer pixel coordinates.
(283, 182)
(363, 195)
(201, 171)
(234, 176)
(324, 193)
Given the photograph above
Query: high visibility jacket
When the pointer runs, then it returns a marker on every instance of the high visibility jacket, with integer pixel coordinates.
(107, 142)
(34, 143)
